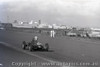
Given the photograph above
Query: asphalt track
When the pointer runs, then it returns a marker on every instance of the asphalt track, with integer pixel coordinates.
(63, 49)
(12, 58)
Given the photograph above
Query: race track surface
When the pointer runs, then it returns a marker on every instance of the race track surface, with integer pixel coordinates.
(62, 48)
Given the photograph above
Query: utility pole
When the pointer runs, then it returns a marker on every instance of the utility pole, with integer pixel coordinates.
(39, 21)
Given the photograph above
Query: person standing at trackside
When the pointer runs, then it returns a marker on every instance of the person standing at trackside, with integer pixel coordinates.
(52, 33)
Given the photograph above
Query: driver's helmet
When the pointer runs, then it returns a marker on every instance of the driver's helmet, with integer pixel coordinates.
(35, 38)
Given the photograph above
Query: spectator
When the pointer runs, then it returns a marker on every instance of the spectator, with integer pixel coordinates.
(52, 33)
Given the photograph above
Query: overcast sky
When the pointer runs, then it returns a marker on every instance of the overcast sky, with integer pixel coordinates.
(70, 12)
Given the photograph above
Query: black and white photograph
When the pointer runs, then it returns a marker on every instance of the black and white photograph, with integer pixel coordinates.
(49, 33)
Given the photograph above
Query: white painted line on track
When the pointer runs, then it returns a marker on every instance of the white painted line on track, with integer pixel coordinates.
(45, 59)
(8, 45)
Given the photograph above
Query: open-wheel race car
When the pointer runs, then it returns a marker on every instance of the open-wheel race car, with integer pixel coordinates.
(33, 47)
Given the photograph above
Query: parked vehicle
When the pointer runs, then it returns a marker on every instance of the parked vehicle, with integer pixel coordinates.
(71, 34)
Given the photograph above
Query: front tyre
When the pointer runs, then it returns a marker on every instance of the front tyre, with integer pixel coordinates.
(23, 46)
(30, 48)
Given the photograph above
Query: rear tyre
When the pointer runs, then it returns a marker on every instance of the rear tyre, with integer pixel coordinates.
(46, 46)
